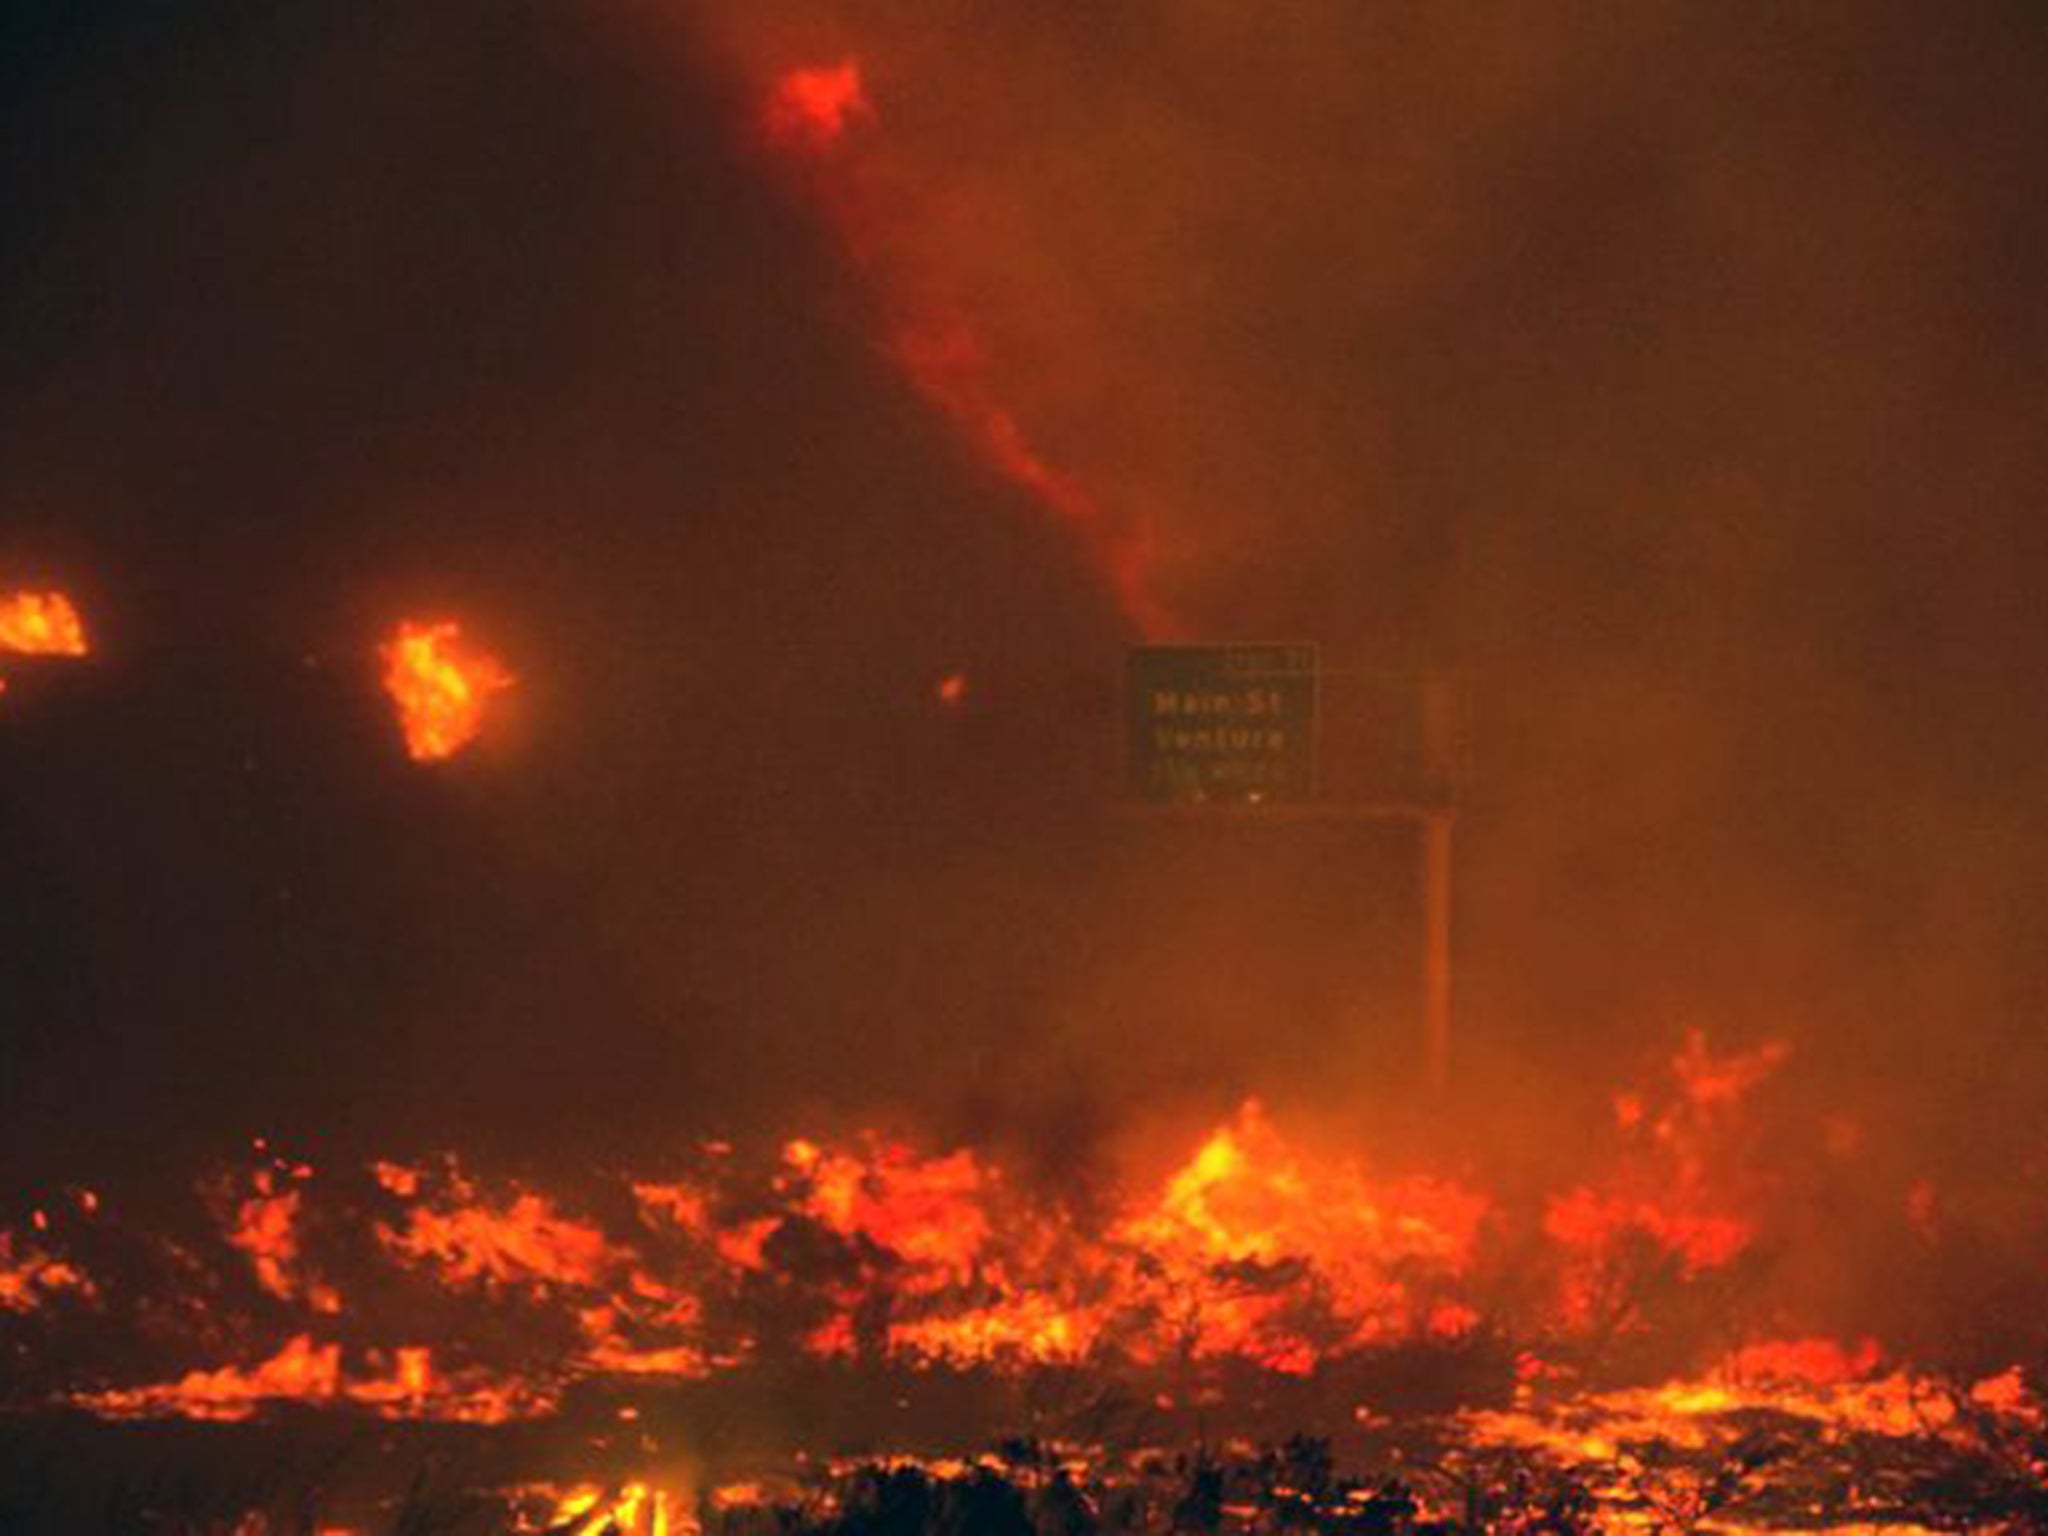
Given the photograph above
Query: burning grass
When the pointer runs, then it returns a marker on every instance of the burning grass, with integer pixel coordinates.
(1592, 1357)
(430, 1289)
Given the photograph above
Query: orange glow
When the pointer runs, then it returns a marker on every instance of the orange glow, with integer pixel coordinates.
(811, 108)
(952, 690)
(441, 685)
(303, 1371)
(41, 624)
(1711, 1083)
(940, 357)
(1819, 1361)
(928, 333)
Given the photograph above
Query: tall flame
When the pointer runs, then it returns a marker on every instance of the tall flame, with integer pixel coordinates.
(441, 685)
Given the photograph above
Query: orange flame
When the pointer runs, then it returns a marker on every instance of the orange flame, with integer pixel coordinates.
(266, 1227)
(1248, 1212)
(303, 1371)
(41, 624)
(1256, 1248)
(524, 1243)
(28, 1276)
(441, 685)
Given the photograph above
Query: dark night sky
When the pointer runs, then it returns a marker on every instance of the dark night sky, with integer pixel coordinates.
(1675, 371)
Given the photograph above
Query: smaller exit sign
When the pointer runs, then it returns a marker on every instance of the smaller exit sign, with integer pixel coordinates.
(1221, 723)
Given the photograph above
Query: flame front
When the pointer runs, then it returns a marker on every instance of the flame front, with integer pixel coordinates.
(429, 1291)
(441, 685)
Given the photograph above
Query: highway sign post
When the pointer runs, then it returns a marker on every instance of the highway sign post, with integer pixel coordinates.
(1221, 724)
(1231, 731)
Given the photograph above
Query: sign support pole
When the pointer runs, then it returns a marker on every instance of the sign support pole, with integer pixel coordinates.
(1436, 948)
(1440, 767)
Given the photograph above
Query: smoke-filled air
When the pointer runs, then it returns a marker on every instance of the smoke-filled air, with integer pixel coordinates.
(600, 892)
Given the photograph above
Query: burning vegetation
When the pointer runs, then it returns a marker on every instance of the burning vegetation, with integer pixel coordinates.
(40, 624)
(1257, 1279)
(442, 686)
(830, 750)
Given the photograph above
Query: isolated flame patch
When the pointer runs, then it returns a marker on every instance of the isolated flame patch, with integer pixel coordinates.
(441, 685)
(41, 624)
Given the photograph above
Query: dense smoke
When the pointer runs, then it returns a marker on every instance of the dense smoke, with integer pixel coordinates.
(1671, 373)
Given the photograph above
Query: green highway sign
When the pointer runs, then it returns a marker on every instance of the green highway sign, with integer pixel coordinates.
(1221, 723)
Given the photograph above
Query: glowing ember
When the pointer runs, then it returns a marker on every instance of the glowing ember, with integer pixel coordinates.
(41, 624)
(441, 685)
(952, 690)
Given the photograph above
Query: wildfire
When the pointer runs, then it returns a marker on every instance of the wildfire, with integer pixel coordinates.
(442, 687)
(41, 624)
(1248, 1212)
(1254, 1252)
